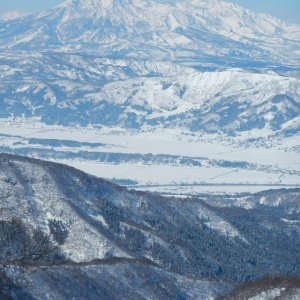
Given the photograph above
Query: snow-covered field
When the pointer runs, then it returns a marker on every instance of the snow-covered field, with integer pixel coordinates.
(167, 161)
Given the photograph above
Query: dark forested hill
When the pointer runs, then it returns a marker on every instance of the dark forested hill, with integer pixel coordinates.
(59, 224)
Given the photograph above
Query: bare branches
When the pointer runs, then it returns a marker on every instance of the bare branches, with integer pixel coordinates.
(20, 245)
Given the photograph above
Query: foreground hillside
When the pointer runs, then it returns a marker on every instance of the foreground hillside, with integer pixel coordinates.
(67, 234)
(267, 288)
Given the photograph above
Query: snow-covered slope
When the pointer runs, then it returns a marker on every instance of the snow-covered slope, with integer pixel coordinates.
(199, 32)
(103, 71)
(74, 227)
(79, 201)
(268, 288)
(11, 15)
(200, 71)
(76, 89)
(129, 63)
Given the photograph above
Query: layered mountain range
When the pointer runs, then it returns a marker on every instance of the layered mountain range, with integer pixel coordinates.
(202, 65)
(90, 81)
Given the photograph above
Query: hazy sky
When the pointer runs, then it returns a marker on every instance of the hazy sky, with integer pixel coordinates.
(288, 10)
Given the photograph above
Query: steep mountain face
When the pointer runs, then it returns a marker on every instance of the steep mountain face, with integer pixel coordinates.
(96, 231)
(195, 33)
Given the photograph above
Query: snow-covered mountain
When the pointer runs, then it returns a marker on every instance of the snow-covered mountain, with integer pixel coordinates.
(68, 234)
(133, 64)
(11, 15)
(200, 88)
(153, 69)
(196, 32)
(70, 89)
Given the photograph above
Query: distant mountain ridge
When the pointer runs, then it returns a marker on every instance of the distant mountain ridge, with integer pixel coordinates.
(200, 65)
(71, 89)
(211, 32)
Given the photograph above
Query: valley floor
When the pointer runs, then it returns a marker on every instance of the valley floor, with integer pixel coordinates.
(167, 161)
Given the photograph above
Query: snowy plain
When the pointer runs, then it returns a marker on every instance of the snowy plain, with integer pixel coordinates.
(224, 164)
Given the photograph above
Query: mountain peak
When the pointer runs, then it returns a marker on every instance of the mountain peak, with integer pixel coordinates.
(135, 28)
(11, 15)
(97, 3)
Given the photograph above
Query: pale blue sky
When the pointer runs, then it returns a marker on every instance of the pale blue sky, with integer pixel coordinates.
(288, 10)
